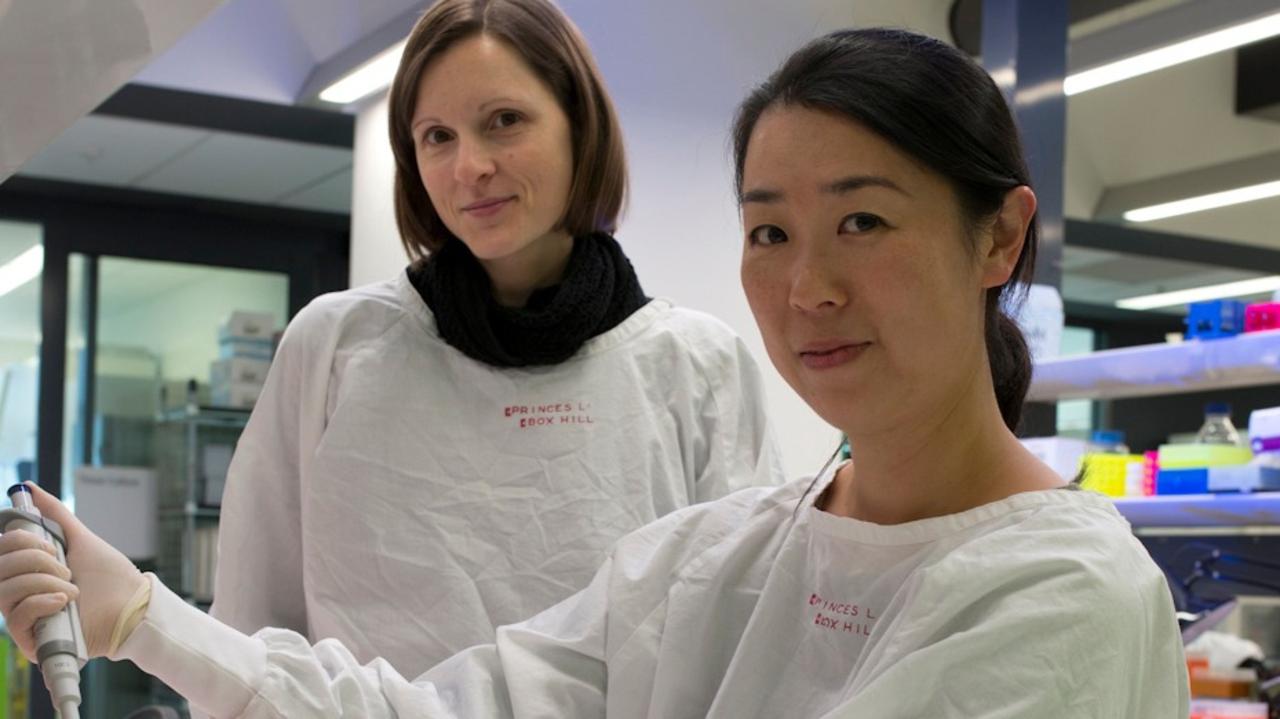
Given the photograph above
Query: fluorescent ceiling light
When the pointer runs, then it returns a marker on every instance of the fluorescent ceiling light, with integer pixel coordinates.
(1201, 294)
(367, 79)
(21, 269)
(1170, 55)
(1204, 202)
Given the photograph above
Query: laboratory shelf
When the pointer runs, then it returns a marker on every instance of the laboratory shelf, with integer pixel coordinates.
(209, 416)
(1258, 509)
(1245, 360)
(197, 512)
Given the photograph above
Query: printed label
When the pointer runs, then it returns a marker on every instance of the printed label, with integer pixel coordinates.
(554, 414)
(843, 617)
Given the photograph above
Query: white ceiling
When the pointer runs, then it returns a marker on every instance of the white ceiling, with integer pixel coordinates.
(60, 58)
(220, 165)
(266, 49)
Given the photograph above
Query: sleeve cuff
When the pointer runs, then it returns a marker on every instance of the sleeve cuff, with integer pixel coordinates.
(218, 669)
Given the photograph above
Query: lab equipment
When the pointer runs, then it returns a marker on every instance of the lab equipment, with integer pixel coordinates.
(1192, 456)
(1109, 441)
(1262, 316)
(1182, 481)
(1217, 427)
(60, 648)
(1224, 709)
(1264, 431)
(1215, 319)
(1106, 465)
(1244, 478)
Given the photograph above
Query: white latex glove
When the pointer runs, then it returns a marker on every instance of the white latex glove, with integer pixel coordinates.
(34, 585)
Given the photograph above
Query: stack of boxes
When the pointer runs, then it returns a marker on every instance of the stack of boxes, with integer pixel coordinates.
(245, 348)
(1198, 468)
(1217, 319)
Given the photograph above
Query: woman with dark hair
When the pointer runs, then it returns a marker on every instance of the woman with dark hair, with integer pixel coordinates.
(459, 447)
(943, 572)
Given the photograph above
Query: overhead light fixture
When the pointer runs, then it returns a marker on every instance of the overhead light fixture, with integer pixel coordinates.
(1200, 294)
(21, 269)
(1180, 52)
(366, 79)
(1204, 202)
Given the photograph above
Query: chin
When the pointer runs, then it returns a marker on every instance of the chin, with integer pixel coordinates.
(493, 247)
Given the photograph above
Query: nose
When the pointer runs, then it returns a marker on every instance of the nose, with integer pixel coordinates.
(473, 162)
(817, 284)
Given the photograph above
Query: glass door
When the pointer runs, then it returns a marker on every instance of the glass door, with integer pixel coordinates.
(21, 264)
(164, 363)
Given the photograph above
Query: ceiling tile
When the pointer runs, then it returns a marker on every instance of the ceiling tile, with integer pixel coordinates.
(1254, 223)
(111, 151)
(332, 194)
(248, 169)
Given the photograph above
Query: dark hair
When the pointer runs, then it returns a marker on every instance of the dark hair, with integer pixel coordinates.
(556, 52)
(938, 106)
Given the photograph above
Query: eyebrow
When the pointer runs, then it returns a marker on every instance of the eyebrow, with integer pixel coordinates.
(842, 186)
(483, 105)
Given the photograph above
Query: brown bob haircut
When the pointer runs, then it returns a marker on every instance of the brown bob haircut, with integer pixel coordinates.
(556, 52)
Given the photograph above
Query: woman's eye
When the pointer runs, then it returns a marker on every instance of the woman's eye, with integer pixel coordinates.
(860, 222)
(436, 136)
(767, 235)
(506, 119)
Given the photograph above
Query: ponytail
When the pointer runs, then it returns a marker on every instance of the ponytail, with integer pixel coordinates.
(1010, 361)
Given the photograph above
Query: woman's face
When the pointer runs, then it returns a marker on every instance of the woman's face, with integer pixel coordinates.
(859, 271)
(494, 151)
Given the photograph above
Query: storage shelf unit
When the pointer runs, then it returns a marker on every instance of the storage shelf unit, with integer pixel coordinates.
(182, 433)
(1259, 509)
(1247, 360)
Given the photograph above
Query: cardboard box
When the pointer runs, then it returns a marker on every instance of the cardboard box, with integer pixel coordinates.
(255, 349)
(244, 370)
(243, 324)
(236, 395)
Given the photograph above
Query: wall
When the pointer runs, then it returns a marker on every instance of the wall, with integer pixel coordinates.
(676, 71)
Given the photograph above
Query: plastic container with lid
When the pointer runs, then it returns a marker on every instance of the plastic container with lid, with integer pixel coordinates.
(1217, 427)
(1108, 441)
(1106, 464)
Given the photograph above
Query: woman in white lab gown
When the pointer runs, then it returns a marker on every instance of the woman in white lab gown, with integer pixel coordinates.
(458, 447)
(944, 572)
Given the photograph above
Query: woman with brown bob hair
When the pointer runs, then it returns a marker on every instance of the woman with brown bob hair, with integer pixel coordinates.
(457, 448)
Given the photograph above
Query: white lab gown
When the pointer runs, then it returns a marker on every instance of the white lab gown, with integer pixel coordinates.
(398, 496)
(1039, 606)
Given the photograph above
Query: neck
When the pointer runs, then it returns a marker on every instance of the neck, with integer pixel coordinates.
(943, 463)
(539, 265)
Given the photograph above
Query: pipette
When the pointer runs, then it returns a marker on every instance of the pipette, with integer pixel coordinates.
(60, 648)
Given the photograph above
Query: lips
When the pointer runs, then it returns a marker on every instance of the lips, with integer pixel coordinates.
(487, 204)
(831, 353)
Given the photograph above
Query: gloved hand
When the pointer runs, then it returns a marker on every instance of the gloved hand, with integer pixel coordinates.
(34, 585)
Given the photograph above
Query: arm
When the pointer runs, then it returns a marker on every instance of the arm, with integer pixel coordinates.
(259, 583)
(551, 665)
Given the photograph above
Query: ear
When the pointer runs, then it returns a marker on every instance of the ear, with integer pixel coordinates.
(1008, 234)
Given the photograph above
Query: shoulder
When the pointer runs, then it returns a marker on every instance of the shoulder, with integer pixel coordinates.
(338, 318)
(688, 536)
(708, 342)
(1073, 552)
(696, 327)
